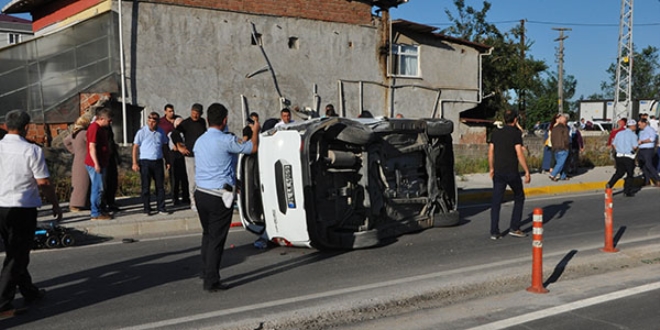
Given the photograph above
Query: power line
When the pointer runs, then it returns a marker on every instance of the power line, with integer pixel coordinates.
(555, 23)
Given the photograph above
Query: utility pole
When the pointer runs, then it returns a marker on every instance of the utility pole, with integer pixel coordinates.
(624, 63)
(560, 59)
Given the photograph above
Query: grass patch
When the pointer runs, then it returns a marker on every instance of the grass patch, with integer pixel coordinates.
(465, 165)
(471, 165)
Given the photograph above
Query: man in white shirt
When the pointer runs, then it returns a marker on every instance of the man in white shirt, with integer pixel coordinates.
(23, 172)
(285, 117)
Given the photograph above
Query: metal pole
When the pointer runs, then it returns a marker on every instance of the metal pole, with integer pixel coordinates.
(122, 74)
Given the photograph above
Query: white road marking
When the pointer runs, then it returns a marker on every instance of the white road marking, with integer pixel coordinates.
(503, 324)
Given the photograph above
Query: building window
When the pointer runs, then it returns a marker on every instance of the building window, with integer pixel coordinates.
(293, 43)
(405, 60)
(13, 38)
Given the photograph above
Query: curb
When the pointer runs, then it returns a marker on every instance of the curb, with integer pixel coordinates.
(486, 196)
(128, 228)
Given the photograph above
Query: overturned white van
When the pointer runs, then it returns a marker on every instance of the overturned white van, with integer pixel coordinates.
(337, 183)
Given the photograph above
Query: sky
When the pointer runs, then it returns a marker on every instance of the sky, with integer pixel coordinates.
(592, 44)
(590, 48)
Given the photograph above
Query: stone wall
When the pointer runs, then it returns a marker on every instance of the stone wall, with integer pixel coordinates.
(595, 149)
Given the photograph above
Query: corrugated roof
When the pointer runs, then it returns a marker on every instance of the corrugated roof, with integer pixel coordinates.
(430, 30)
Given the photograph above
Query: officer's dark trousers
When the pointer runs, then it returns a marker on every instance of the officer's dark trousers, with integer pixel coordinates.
(645, 159)
(17, 226)
(624, 165)
(216, 220)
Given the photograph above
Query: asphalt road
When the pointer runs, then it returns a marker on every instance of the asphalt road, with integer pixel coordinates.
(154, 284)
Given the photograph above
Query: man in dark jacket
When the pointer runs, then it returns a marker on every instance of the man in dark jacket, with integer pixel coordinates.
(561, 146)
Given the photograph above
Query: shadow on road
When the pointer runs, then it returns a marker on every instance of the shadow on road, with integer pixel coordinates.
(619, 234)
(97, 285)
(559, 269)
(260, 273)
(550, 212)
(100, 284)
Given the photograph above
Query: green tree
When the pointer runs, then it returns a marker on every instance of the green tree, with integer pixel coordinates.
(504, 70)
(645, 80)
(543, 98)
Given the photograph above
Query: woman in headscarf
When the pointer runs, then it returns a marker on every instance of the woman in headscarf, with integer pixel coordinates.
(76, 143)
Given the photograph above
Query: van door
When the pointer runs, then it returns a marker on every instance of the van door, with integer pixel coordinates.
(250, 207)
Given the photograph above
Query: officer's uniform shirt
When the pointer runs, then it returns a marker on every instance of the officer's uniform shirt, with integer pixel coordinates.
(625, 142)
(647, 133)
(215, 152)
(21, 164)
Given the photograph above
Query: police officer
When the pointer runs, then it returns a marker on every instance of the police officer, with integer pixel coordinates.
(215, 155)
(625, 145)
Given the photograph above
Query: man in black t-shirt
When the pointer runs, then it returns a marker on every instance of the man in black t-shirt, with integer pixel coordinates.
(504, 153)
(190, 129)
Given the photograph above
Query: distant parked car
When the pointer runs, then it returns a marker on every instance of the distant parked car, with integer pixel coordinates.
(594, 127)
(543, 127)
(338, 183)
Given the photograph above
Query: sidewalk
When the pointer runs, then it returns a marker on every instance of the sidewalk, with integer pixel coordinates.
(478, 187)
(131, 223)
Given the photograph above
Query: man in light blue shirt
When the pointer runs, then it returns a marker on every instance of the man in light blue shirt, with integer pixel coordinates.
(215, 152)
(647, 137)
(149, 143)
(625, 145)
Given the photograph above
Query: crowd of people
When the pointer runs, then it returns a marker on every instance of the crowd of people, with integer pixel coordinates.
(162, 144)
(635, 143)
(562, 148)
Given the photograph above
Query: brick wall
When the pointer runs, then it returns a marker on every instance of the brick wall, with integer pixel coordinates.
(37, 132)
(89, 99)
(342, 11)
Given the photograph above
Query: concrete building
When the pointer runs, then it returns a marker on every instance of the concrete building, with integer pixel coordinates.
(14, 30)
(261, 56)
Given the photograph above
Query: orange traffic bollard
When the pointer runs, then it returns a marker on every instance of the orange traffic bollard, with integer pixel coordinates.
(537, 253)
(609, 241)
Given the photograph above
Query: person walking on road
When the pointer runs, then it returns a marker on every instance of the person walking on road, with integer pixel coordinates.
(23, 172)
(647, 140)
(151, 144)
(620, 126)
(505, 152)
(625, 145)
(190, 129)
(561, 145)
(215, 154)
